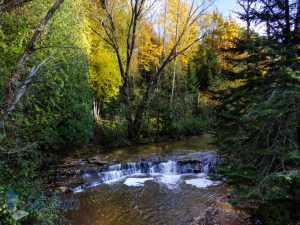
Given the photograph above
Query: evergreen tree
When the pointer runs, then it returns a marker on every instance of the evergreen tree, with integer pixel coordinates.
(258, 123)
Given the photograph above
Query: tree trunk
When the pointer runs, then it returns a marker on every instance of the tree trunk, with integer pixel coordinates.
(175, 58)
(137, 123)
(287, 32)
(163, 55)
(297, 24)
(157, 124)
(11, 96)
(173, 80)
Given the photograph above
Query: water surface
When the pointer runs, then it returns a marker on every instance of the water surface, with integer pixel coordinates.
(163, 195)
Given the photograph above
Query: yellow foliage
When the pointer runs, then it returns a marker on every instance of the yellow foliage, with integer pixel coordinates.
(231, 84)
(104, 74)
(149, 51)
(173, 21)
(222, 36)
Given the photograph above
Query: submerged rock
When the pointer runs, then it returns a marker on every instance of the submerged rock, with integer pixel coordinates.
(222, 214)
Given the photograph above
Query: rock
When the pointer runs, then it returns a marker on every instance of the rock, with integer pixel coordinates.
(83, 161)
(97, 161)
(74, 172)
(226, 207)
(69, 163)
(198, 162)
(222, 213)
(197, 168)
(199, 157)
(62, 190)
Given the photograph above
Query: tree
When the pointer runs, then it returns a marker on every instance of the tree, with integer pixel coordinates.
(150, 50)
(246, 15)
(257, 125)
(112, 25)
(41, 103)
(52, 108)
(173, 21)
(16, 91)
(211, 59)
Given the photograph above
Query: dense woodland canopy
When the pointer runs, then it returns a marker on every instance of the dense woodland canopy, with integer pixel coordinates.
(117, 72)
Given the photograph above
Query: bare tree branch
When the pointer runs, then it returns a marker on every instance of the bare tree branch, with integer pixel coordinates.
(10, 95)
(21, 89)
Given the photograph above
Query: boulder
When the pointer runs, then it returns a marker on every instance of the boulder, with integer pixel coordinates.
(199, 157)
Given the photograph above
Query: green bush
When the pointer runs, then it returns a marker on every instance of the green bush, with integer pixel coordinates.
(187, 127)
(275, 214)
(112, 136)
(20, 166)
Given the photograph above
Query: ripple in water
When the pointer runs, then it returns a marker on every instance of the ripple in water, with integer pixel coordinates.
(146, 193)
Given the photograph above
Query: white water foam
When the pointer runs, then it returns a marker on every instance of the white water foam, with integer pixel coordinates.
(202, 182)
(171, 181)
(136, 182)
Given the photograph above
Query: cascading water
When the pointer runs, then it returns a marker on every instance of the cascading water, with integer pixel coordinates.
(168, 172)
(152, 185)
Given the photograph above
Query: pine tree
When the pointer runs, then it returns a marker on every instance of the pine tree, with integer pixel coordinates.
(258, 123)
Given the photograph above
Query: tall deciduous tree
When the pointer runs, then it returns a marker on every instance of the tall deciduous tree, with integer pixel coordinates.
(211, 59)
(115, 16)
(246, 14)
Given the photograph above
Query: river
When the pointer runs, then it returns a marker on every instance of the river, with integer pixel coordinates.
(156, 184)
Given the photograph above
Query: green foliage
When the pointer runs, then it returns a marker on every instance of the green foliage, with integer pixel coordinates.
(112, 135)
(275, 214)
(188, 126)
(56, 108)
(20, 164)
(66, 118)
(257, 126)
(206, 67)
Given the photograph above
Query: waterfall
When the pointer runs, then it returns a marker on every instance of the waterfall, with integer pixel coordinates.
(205, 169)
(168, 169)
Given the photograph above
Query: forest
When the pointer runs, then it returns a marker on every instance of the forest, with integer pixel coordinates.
(90, 76)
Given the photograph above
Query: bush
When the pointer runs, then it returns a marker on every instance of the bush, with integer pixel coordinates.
(188, 126)
(112, 136)
(20, 174)
(275, 214)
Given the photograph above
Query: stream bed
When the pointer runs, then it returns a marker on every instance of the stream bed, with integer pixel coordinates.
(157, 184)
